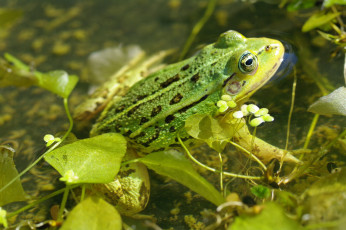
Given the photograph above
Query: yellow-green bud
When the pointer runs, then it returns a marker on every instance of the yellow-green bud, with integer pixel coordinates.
(256, 121)
(261, 112)
(48, 137)
(267, 118)
(231, 104)
(238, 114)
(226, 97)
(252, 108)
(221, 103)
(243, 108)
(223, 108)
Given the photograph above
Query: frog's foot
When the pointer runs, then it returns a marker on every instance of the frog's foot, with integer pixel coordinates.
(129, 192)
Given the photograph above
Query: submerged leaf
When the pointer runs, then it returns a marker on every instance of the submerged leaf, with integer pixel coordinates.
(8, 171)
(325, 200)
(318, 19)
(104, 63)
(178, 168)
(261, 191)
(93, 213)
(333, 103)
(271, 217)
(91, 160)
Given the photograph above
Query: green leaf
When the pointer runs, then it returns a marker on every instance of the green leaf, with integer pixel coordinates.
(93, 213)
(300, 4)
(174, 165)
(271, 217)
(57, 81)
(91, 160)
(260, 191)
(206, 128)
(329, 3)
(14, 72)
(318, 19)
(8, 171)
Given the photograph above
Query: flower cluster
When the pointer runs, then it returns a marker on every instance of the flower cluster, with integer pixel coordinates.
(261, 114)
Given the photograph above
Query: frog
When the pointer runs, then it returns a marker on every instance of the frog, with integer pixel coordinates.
(151, 115)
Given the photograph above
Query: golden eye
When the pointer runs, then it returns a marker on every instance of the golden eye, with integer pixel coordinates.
(248, 63)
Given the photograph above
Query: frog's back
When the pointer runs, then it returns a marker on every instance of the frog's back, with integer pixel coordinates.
(156, 107)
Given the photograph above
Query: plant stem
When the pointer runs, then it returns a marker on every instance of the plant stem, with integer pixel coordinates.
(215, 170)
(33, 204)
(291, 108)
(209, 10)
(63, 202)
(221, 174)
(311, 130)
(83, 193)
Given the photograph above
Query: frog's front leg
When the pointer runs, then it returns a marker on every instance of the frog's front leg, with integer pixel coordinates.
(261, 149)
(130, 190)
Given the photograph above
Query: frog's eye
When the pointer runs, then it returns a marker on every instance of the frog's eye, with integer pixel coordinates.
(248, 63)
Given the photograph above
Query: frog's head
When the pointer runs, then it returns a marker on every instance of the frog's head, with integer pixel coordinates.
(253, 61)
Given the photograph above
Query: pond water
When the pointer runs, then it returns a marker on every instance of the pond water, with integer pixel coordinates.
(51, 35)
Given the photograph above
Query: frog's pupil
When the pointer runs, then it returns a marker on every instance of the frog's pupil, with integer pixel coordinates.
(249, 62)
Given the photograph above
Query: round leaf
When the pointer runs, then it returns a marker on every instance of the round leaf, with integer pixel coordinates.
(93, 214)
(91, 160)
(58, 82)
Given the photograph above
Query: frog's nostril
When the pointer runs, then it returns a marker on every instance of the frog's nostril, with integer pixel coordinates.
(268, 48)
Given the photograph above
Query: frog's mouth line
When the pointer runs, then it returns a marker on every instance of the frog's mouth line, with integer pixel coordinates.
(229, 78)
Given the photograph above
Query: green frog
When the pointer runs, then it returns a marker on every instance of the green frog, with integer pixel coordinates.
(153, 111)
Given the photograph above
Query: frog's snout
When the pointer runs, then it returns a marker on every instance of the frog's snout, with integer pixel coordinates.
(288, 62)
